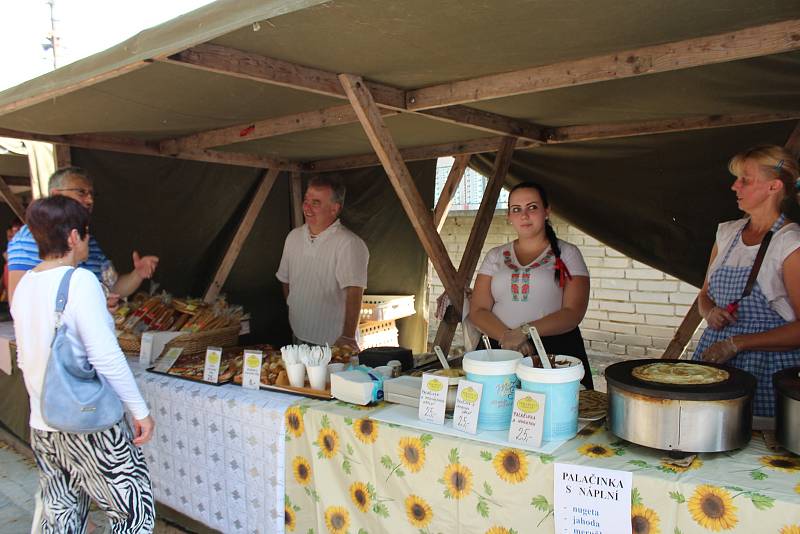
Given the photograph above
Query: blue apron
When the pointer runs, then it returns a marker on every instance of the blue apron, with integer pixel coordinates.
(725, 285)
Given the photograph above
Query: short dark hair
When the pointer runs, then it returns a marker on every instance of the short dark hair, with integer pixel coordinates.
(57, 179)
(16, 223)
(337, 188)
(51, 219)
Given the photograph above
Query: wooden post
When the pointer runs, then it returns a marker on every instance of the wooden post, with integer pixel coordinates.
(419, 215)
(62, 155)
(11, 199)
(693, 318)
(451, 184)
(256, 203)
(477, 237)
(296, 193)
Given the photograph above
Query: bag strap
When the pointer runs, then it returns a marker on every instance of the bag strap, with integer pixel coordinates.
(63, 295)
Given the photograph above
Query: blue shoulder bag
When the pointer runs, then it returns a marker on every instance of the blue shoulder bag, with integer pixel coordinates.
(75, 398)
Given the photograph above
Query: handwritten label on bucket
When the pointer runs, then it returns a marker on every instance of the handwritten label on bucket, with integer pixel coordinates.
(527, 418)
(468, 405)
(433, 399)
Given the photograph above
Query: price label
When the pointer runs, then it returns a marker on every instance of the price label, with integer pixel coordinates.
(213, 360)
(432, 399)
(527, 418)
(146, 349)
(251, 374)
(468, 405)
(168, 360)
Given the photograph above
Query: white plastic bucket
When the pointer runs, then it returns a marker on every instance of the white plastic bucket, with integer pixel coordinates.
(496, 370)
(560, 386)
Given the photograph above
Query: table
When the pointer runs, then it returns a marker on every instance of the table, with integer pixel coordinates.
(218, 452)
(348, 473)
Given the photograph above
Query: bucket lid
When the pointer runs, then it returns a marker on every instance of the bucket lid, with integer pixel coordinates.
(558, 375)
(492, 363)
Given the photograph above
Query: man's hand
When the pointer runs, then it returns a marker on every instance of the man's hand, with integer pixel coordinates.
(112, 303)
(347, 343)
(718, 318)
(145, 266)
(720, 352)
(143, 430)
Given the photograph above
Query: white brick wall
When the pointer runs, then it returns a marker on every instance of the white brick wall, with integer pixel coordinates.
(633, 308)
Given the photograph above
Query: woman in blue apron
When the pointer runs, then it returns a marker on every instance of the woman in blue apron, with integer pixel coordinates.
(537, 280)
(753, 326)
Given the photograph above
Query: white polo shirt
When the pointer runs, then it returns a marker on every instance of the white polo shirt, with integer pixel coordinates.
(318, 271)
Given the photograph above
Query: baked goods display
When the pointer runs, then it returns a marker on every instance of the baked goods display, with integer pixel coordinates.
(272, 363)
(592, 404)
(192, 366)
(680, 373)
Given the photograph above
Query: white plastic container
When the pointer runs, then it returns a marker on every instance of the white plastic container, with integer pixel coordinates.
(560, 385)
(496, 370)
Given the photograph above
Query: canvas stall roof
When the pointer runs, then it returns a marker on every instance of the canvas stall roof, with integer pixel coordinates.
(265, 70)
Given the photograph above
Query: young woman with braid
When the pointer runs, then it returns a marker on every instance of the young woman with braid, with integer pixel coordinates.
(536, 280)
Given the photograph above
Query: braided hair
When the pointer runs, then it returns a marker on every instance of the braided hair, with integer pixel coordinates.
(561, 272)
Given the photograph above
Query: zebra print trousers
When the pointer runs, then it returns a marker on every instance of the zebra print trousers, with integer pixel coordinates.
(103, 466)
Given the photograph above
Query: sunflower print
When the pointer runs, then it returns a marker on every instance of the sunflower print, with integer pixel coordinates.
(458, 480)
(294, 421)
(797, 488)
(790, 529)
(359, 494)
(289, 518)
(712, 508)
(511, 465)
(697, 463)
(366, 430)
(788, 464)
(302, 470)
(418, 511)
(337, 519)
(594, 450)
(644, 520)
(328, 441)
(412, 453)
(501, 530)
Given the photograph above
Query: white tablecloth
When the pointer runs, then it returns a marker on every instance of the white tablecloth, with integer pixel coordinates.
(218, 452)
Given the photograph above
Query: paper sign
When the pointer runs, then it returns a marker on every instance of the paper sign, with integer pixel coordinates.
(433, 399)
(590, 499)
(251, 375)
(213, 359)
(166, 361)
(468, 405)
(527, 418)
(153, 344)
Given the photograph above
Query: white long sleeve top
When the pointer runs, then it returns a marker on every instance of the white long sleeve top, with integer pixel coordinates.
(90, 331)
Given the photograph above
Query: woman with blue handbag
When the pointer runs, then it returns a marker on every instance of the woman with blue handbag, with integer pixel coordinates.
(78, 381)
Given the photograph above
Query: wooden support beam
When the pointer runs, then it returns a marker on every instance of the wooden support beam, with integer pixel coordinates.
(450, 185)
(590, 132)
(693, 318)
(793, 144)
(296, 122)
(255, 67)
(11, 199)
(684, 333)
(296, 193)
(390, 157)
(62, 155)
(134, 146)
(747, 43)
(256, 203)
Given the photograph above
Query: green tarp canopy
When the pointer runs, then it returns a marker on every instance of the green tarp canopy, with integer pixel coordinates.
(656, 197)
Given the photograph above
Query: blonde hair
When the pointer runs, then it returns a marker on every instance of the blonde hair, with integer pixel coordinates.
(777, 163)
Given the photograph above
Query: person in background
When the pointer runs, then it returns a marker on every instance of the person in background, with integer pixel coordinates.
(23, 253)
(537, 280)
(323, 270)
(106, 466)
(11, 231)
(758, 333)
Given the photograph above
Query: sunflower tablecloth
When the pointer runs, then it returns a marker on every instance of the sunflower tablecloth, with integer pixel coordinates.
(346, 473)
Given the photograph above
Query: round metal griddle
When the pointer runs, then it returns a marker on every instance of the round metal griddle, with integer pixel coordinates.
(787, 408)
(787, 382)
(739, 383)
(680, 417)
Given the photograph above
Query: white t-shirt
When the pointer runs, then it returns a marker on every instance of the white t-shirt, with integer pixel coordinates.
(770, 276)
(90, 331)
(544, 296)
(318, 271)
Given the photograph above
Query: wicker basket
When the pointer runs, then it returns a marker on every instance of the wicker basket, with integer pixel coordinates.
(193, 343)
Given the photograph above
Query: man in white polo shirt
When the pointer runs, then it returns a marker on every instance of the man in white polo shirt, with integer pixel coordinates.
(324, 270)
